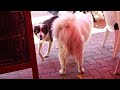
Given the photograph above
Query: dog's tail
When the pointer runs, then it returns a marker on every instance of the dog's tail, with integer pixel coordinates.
(64, 21)
(69, 20)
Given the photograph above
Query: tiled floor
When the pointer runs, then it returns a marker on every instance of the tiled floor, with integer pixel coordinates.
(98, 62)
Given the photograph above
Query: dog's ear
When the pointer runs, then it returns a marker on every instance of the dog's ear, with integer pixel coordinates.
(36, 29)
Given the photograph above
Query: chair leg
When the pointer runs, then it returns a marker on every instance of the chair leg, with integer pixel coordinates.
(116, 69)
(94, 20)
(105, 36)
(116, 43)
(116, 48)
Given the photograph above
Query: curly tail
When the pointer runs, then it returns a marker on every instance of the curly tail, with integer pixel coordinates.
(62, 22)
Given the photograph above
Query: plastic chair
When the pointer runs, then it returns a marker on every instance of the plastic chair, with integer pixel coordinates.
(111, 26)
(112, 19)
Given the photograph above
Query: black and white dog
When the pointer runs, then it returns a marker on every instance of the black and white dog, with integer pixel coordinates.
(44, 33)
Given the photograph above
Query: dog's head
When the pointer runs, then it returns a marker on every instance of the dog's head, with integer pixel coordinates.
(41, 30)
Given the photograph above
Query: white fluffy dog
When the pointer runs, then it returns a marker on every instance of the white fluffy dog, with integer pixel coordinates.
(72, 31)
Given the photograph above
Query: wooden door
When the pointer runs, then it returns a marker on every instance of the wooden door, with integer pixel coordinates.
(17, 49)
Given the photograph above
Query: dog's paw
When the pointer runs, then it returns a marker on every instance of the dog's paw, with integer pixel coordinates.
(81, 71)
(42, 59)
(45, 56)
(62, 72)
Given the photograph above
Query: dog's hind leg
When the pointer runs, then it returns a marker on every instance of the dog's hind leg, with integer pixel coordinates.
(48, 51)
(79, 61)
(63, 60)
(80, 67)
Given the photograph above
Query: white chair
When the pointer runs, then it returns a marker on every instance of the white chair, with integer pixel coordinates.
(112, 19)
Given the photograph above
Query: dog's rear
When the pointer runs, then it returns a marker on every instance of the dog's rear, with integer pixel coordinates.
(69, 20)
(85, 23)
(72, 31)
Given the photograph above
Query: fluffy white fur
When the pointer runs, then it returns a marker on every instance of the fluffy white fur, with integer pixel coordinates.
(71, 32)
